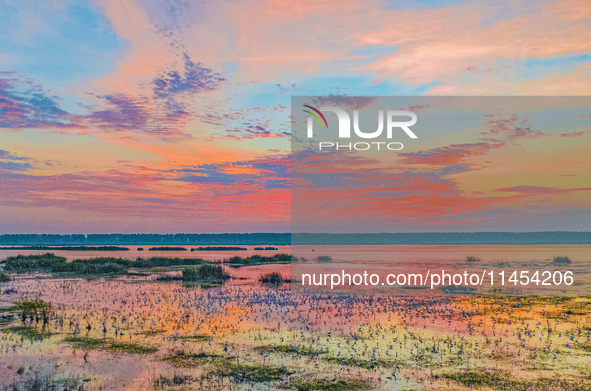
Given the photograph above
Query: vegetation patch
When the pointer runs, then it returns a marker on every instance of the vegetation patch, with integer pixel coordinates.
(561, 261)
(331, 385)
(250, 373)
(69, 248)
(256, 259)
(41, 382)
(301, 350)
(167, 249)
(4, 277)
(205, 273)
(273, 278)
(355, 362)
(87, 343)
(31, 333)
(184, 360)
(219, 248)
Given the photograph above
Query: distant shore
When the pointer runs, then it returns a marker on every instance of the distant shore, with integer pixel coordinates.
(285, 239)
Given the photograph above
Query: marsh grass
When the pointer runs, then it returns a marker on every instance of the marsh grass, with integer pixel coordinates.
(357, 362)
(342, 384)
(88, 343)
(205, 273)
(256, 259)
(100, 266)
(42, 382)
(227, 367)
(502, 380)
(302, 350)
(31, 333)
(273, 278)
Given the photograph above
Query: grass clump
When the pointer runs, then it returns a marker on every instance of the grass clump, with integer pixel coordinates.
(27, 263)
(272, 278)
(184, 360)
(205, 273)
(250, 373)
(88, 343)
(331, 385)
(301, 350)
(146, 263)
(130, 348)
(324, 259)
(31, 333)
(562, 260)
(42, 382)
(354, 362)
(256, 259)
(85, 343)
(219, 248)
(224, 366)
(4, 277)
(472, 259)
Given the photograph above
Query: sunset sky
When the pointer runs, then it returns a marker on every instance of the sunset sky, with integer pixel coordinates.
(174, 116)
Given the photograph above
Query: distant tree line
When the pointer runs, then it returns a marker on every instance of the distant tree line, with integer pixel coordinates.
(434, 238)
(279, 239)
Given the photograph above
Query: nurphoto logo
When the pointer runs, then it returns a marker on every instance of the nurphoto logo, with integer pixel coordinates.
(344, 132)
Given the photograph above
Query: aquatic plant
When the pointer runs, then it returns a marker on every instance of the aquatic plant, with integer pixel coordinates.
(167, 249)
(272, 278)
(205, 272)
(237, 261)
(562, 260)
(219, 248)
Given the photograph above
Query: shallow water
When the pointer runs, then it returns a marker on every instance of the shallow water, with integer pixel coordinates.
(386, 343)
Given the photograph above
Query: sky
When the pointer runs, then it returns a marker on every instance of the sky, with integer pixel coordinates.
(175, 116)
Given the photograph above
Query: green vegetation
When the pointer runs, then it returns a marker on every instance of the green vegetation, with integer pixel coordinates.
(356, 362)
(228, 367)
(301, 350)
(31, 333)
(499, 380)
(562, 261)
(472, 259)
(324, 259)
(250, 373)
(52, 263)
(4, 277)
(253, 260)
(130, 348)
(34, 310)
(69, 248)
(205, 273)
(273, 278)
(219, 248)
(42, 382)
(167, 249)
(90, 267)
(88, 343)
(266, 248)
(143, 263)
(176, 380)
(331, 385)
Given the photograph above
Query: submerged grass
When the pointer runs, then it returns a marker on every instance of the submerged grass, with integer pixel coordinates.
(342, 384)
(227, 367)
(502, 380)
(88, 343)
